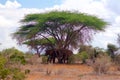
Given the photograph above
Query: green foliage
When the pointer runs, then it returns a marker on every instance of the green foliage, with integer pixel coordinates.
(2, 62)
(71, 59)
(10, 51)
(19, 76)
(66, 17)
(78, 57)
(9, 58)
(110, 50)
(88, 49)
(60, 25)
(112, 46)
(17, 58)
(14, 55)
(41, 41)
(83, 56)
(4, 73)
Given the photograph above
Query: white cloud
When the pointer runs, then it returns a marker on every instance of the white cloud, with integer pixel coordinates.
(93, 7)
(10, 15)
(12, 12)
(4, 22)
(10, 4)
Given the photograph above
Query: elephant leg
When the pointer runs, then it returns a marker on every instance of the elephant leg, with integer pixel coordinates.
(54, 60)
(67, 60)
(48, 59)
(59, 60)
(62, 60)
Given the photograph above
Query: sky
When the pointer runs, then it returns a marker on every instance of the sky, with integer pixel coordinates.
(12, 11)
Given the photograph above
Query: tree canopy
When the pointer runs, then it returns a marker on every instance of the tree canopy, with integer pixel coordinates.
(68, 29)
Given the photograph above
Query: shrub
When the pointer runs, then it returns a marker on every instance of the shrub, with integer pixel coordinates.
(18, 76)
(117, 61)
(102, 64)
(2, 62)
(78, 57)
(9, 58)
(4, 72)
(44, 59)
(13, 55)
(17, 58)
(83, 56)
(71, 59)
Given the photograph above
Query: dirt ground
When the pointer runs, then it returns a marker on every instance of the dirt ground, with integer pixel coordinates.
(67, 72)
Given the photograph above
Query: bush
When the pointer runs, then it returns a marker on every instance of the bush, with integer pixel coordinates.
(102, 64)
(17, 58)
(44, 59)
(18, 76)
(71, 59)
(4, 72)
(117, 61)
(83, 56)
(78, 57)
(13, 55)
(9, 59)
(2, 62)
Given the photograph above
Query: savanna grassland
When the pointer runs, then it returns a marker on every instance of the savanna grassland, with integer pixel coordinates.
(16, 65)
(68, 72)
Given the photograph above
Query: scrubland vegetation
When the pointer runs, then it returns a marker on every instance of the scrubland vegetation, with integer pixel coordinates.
(16, 65)
(57, 34)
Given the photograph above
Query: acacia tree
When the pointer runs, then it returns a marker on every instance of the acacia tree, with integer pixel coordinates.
(69, 29)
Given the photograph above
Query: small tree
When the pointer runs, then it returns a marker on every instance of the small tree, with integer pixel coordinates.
(111, 49)
(9, 67)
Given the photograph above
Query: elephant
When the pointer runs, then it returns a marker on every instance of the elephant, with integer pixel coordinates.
(51, 55)
(61, 54)
(66, 54)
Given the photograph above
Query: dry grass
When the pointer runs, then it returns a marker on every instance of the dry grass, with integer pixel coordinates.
(67, 72)
(40, 71)
(102, 64)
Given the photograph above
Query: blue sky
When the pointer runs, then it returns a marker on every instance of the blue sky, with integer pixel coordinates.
(36, 3)
(12, 11)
